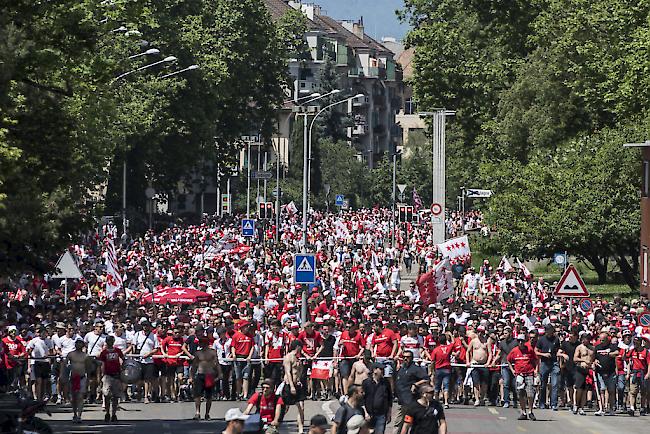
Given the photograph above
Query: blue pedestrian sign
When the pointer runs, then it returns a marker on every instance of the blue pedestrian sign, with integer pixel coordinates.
(304, 268)
(340, 200)
(248, 228)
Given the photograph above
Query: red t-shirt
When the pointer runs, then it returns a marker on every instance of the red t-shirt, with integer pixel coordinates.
(310, 343)
(15, 348)
(266, 405)
(384, 342)
(275, 344)
(441, 356)
(460, 349)
(111, 358)
(639, 359)
(172, 347)
(243, 344)
(430, 343)
(522, 360)
(350, 346)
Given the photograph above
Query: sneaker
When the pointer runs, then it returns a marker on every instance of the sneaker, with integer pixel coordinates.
(575, 410)
(599, 413)
(542, 407)
(446, 405)
(114, 418)
(477, 403)
(107, 417)
(59, 401)
(581, 412)
(207, 417)
(554, 408)
(197, 417)
(610, 413)
(522, 417)
(531, 416)
(630, 412)
(506, 405)
(643, 412)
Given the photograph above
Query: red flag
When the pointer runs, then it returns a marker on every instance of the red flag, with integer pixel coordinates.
(427, 288)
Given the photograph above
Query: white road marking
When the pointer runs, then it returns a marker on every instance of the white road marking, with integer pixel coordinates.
(327, 408)
(493, 410)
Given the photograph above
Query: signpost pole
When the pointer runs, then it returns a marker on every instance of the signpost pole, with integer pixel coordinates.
(393, 197)
(566, 260)
(248, 183)
(65, 293)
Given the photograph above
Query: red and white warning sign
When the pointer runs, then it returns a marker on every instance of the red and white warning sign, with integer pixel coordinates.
(436, 209)
(571, 284)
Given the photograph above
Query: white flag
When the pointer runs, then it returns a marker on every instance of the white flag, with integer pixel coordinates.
(456, 249)
(505, 265)
(113, 276)
(522, 267)
(444, 280)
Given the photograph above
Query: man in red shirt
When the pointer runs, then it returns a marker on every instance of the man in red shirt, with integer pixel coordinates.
(311, 341)
(111, 359)
(384, 349)
(172, 348)
(523, 363)
(242, 347)
(639, 373)
(268, 404)
(15, 358)
(274, 352)
(351, 346)
(441, 360)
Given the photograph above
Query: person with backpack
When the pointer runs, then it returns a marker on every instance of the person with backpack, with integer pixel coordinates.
(353, 406)
(268, 405)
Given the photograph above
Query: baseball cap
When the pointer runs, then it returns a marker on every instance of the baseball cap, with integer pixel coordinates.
(521, 337)
(295, 325)
(235, 414)
(355, 423)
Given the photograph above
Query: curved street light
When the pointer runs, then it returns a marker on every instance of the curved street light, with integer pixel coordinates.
(189, 68)
(165, 60)
(149, 52)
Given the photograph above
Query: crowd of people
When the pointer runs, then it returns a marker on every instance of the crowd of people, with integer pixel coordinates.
(500, 339)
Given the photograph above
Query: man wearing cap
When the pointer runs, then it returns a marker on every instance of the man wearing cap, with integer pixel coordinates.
(424, 415)
(94, 341)
(638, 373)
(268, 405)
(522, 361)
(378, 399)
(546, 350)
(39, 348)
(16, 358)
(606, 353)
(145, 343)
(234, 421)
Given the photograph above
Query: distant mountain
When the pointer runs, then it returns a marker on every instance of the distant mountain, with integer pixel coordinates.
(378, 15)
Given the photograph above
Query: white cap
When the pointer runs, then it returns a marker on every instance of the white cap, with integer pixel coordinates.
(12, 328)
(235, 414)
(355, 423)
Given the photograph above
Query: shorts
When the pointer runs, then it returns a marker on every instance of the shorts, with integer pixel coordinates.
(292, 399)
(581, 377)
(41, 370)
(389, 366)
(4, 377)
(198, 387)
(443, 377)
(345, 367)
(242, 369)
(78, 383)
(111, 386)
(607, 382)
(92, 365)
(480, 376)
(526, 384)
(150, 371)
(569, 377)
(171, 370)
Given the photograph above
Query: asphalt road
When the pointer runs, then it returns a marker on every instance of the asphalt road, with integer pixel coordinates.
(176, 418)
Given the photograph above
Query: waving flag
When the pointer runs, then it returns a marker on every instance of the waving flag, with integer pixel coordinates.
(505, 265)
(427, 288)
(527, 274)
(417, 201)
(444, 280)
(113, 276)
(456, 249)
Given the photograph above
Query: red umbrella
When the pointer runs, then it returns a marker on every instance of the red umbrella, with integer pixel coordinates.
(177, 296)
(240, 249)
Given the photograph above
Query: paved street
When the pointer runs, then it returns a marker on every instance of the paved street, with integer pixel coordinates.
(176, 418)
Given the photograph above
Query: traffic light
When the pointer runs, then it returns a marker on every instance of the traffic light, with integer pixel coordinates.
(402, 214)
(269, 210)
(409, 214)
(261, 213)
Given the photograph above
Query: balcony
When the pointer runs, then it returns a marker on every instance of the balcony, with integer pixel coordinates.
(373, 72)
(360, 102)
(307, 86)
(359, 130)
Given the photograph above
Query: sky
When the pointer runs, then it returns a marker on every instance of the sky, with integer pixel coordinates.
(379, 16)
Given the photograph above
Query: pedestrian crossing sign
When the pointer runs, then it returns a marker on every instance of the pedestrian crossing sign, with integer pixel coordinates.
(248, 228)
(305, 268)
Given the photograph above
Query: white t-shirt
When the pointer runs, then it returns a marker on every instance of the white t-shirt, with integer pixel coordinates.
(94, 343)
(65, 344)
(120, 342)
(145, 343)
(39, 348)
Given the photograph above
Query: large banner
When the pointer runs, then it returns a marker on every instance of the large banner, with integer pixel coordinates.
(456, 249)
(113, 276)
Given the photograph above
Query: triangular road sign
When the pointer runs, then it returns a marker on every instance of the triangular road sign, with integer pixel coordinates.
(67, 268)
(305, 266)
(571, 284)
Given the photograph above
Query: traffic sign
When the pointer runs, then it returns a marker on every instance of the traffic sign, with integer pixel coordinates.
(559, 259)
(401, 188)
(586, 305)
(66, 268)
(261, 174)
(305, 268)
(346, 204)
(339, 200)
(644, 319)
(436, 209)
(571, 284)
(248, 227)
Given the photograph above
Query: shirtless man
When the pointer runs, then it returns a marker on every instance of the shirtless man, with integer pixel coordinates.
(477, 354)
(583, 359)
(77, 362)
(204, 374)
(360, 369)
(294, 392)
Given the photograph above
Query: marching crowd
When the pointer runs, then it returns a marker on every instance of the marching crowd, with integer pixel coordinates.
(500, 339)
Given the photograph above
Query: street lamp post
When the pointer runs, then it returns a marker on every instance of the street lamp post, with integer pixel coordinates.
(393, 197)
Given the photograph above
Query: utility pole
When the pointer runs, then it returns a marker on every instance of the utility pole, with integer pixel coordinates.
(248, 183)
(393, 197)
(305, 176)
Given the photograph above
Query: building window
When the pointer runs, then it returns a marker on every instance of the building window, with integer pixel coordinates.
(646, 178)
(410, 107)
